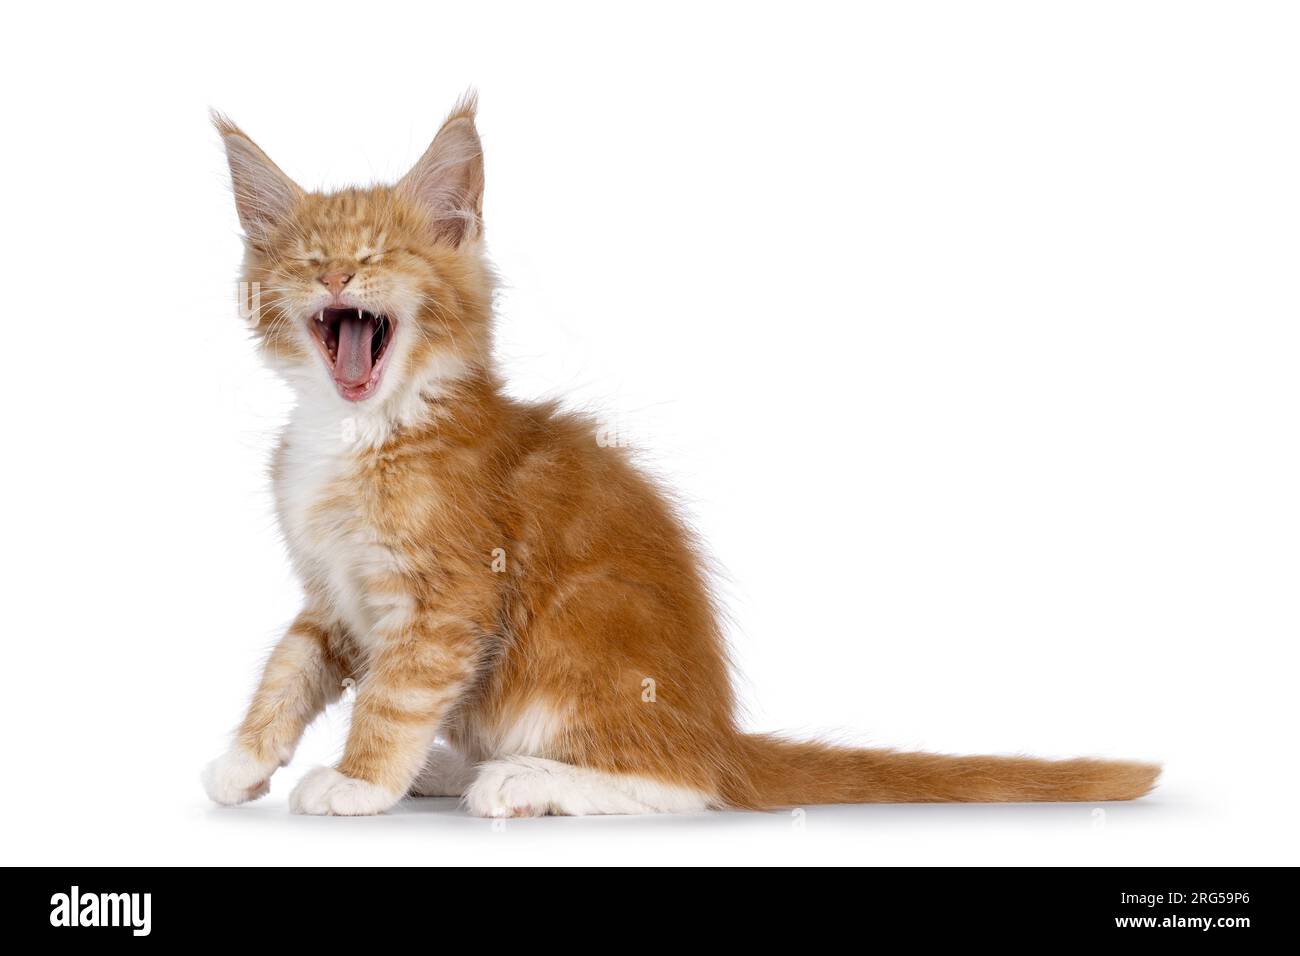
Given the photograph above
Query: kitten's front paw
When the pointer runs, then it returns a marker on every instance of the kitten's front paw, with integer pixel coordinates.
(237, 777)
(325, 791)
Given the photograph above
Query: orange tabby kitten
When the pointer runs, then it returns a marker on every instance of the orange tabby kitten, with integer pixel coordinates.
(487, 573)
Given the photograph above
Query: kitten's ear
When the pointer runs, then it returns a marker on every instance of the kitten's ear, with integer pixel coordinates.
(447, 182)
(264, 196)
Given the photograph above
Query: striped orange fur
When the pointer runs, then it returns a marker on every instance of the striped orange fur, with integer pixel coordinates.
(523, 611)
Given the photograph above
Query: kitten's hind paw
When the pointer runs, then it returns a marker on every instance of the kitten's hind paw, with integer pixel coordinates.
(326, 792)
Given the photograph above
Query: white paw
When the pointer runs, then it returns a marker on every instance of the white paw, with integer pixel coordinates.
(532, 786)
(325, 791)
(517, 787)
(237, 777)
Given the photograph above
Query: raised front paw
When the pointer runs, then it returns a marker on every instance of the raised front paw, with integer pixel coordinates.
(325, 791)
(237, 777)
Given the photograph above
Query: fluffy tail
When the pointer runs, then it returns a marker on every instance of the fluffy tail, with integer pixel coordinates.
(779, 773)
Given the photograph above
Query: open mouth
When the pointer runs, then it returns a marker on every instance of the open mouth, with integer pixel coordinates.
(355, 345)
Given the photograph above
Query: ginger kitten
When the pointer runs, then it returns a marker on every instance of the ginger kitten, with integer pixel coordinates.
(487, 573)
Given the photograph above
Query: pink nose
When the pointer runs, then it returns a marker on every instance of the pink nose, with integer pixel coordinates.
(335, 281)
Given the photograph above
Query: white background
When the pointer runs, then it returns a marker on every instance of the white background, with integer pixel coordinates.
(967, 331)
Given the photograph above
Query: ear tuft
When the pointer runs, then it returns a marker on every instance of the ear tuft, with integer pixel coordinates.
(466, 107)
(223, 123)
(264, 195)
(447, 181)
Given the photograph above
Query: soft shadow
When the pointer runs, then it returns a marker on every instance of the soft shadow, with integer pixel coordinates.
(447, 812)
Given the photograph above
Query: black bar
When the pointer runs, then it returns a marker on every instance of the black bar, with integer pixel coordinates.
(227, 904)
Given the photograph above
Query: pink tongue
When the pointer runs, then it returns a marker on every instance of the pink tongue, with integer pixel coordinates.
(352, 365)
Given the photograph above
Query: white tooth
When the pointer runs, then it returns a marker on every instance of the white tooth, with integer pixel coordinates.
(358, 315)
(320, 316)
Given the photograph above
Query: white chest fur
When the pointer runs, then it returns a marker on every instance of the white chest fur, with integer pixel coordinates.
(334, 546)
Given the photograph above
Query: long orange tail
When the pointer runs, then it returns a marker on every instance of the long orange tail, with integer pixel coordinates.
(780, 773)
